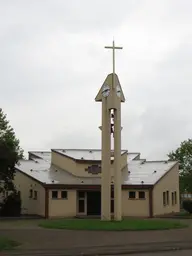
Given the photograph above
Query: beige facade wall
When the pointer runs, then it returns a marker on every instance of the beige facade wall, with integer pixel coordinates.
(170, 182)
(135, 207)
(77, 168)
(123, 160)
(63, 207)
(30, 205)
(62, 162)
(68, 207)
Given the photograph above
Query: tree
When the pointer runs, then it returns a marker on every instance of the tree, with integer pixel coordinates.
(11, 205)
(187, 206)
(183, 154)
(10, 153)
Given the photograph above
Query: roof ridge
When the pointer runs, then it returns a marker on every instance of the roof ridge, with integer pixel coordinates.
(39, 151)
(159, 161)
(85, 149)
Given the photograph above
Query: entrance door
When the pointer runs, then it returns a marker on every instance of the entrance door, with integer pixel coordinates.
(81, 202)
(93, 203)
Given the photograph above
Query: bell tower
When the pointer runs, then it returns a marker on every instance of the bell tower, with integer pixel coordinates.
(111, 96)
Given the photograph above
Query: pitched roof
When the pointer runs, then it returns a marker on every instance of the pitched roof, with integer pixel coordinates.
(137, 172)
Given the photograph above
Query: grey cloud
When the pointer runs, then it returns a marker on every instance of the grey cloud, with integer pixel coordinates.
(71, 16)
(166, 117)
(52, 64)
(166, 126)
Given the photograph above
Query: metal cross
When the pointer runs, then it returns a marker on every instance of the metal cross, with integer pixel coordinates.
(113, 47)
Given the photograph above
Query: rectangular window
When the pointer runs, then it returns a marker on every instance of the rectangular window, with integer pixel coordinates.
(35, 195)
(81, 194)
(141, 195)
(54, 194)
(31, 193)
(112, 194)
(172, 198)
(175, 195)
(164, 198)
(64, 194)
(81, 206)
(112, 205)
(167, 197)
(132, 194)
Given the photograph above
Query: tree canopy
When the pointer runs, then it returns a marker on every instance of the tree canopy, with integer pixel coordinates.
(183, 154)
(10, 153)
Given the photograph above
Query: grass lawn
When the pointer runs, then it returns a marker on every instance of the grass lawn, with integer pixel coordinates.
(127, 224)
(7, 244)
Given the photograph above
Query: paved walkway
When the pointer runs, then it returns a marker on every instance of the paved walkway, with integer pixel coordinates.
(38, 241)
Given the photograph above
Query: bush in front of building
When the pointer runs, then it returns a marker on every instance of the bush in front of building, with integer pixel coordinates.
(187, 205)
(11, 205)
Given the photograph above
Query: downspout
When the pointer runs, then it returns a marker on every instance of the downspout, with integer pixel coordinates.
(46, 203)
(151, 202)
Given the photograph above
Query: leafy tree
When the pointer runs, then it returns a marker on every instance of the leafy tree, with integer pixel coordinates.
(183, 154)
(10, 153)
(11, 205)
(187, 206)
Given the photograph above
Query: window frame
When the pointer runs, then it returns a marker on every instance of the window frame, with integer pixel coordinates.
(167, 197)
(66, 197)
(129, 193)
(54, 191)
(175, 195)
(144, 193)
(81, 203)
(30, 193)
(172, 198)
(83, 195)
(164, 198)
(35, 195)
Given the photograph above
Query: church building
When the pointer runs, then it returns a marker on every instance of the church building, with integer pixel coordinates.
(67, 183)
(110, 183)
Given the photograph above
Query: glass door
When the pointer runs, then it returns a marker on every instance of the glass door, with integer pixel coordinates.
(81, 202)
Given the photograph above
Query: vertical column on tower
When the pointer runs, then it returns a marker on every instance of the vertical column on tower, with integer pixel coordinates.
(117, 164)
(106, 163)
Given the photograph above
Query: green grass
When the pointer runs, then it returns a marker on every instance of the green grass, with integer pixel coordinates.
(127, 224)
(7, 244)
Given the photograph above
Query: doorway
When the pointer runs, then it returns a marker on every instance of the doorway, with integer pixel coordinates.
(89, 203)
(94, 203)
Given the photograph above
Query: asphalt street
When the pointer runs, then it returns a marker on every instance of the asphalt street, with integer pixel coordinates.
(173, 253)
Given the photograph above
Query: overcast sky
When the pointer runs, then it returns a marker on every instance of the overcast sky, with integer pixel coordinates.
(53, 62)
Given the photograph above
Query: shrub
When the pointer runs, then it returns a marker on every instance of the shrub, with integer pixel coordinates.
(187, 205)
(11, 205)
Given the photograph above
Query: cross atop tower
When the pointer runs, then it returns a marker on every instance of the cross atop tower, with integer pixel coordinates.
(113, 47)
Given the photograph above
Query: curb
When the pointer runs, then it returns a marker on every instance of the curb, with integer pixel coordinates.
(108, 252)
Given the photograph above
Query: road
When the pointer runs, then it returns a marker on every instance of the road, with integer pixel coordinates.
(95, 252)
(59, 253)
(178, 253)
